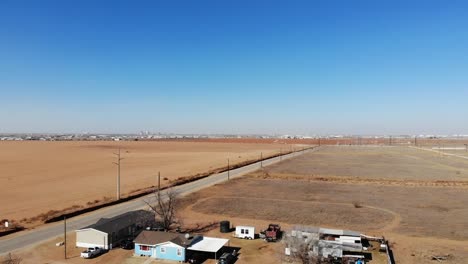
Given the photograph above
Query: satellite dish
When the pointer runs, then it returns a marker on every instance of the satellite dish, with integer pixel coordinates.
(187, 236)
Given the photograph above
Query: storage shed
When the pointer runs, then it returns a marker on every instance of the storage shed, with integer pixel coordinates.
(247, 232)
(109, 232)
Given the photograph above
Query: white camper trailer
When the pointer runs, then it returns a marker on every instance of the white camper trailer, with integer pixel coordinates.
(246, 232)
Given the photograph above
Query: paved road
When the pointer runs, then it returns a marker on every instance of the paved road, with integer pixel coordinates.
(35, 236)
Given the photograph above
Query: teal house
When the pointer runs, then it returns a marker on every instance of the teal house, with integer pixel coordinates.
(174, 246)
(163, 245)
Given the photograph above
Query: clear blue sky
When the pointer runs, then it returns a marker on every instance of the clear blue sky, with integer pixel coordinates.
(290, 67)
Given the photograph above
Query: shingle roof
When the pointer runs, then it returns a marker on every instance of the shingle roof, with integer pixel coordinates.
(114, 224)
(158, 237)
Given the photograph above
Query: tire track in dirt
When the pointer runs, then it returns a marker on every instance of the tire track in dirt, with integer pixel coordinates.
(440, 152)
(354, 180)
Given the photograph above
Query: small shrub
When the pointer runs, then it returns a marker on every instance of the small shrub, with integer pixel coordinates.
(11, 259)
(357, 204)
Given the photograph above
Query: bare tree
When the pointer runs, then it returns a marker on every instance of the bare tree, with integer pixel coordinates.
(300, 248)
(303, 248)
(11, 259)
(164, 207)
(303, 253)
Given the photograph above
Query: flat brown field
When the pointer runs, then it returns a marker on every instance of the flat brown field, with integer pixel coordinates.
(412, 197)
(36, 177)
(386, 163)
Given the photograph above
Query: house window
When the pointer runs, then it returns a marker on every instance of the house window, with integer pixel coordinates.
(144, 248)
(242, 231)
(179, 252)
(162, 250)
(246, 231)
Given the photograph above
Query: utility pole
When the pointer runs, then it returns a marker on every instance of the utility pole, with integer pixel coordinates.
(159, 181)
(319, 142)
(261, 159)
(65, 235)
(390, 140)
(281, 154)
(229, 174)
(118, 174)
(415, 141)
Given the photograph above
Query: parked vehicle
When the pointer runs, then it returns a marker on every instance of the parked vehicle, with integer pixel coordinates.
(92, 252)
(157, 228)
(246, 232)
(196, 259)
(226, 258)
(127, 244)
(273, 233)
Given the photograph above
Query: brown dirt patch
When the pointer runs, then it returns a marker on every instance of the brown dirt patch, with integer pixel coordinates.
(421, 209)
(412, 204)
(294, 211)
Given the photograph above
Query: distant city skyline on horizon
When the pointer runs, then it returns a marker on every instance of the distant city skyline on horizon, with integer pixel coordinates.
(156, 135)
(244, 67)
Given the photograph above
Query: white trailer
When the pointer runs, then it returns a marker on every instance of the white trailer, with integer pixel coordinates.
(246, 232)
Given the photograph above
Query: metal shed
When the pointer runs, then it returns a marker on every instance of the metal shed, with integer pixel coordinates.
(108, 232)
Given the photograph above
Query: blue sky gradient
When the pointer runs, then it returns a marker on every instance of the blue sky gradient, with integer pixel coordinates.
(287, 67)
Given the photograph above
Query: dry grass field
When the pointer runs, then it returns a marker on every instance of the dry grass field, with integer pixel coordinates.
(36, 177)
(462, 153)
(457, 152)
(417, 199)
(384, 163)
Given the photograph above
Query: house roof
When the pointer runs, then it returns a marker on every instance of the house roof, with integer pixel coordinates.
(158, 237)
(209, 244)
(336, 249)
(338, 232)
(114, 224)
